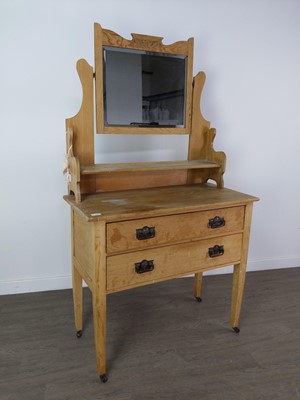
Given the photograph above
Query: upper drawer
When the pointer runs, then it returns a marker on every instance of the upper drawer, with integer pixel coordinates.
(142, 233)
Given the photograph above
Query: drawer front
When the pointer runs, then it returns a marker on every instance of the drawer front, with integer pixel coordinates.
(152, 265)
(142, 233)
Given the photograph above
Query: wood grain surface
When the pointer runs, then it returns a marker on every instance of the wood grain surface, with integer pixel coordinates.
(122, 236)
(138, 203)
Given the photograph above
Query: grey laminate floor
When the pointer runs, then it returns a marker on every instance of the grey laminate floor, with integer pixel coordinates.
(162, 344)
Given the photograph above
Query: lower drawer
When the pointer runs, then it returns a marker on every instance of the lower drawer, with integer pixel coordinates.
(149, 266)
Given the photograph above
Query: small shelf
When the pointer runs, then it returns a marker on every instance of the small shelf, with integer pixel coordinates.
(148, 166)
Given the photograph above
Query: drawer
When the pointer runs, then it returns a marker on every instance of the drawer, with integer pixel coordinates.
(132, 235)
(131, 269)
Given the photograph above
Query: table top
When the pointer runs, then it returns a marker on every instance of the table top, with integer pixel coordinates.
(140, 203)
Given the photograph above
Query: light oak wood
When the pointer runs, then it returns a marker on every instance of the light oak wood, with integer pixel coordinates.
(218, 157)
(198, 285)
(199, 128)
(239, 273)
(170, 262)
(144, 166)
(143, 130)
(73, 167)
(177, 212)
(125, 176)
(110, 202)
(77, 297)
(141, 42)
(76, 284)
(122, 236)
(82, 127)
(83, 234)
(201, 141)
(115, 181)
(140, 203)
(99, 296)
(146, 175)
(82, 271)
(200, 125)
(105, 37)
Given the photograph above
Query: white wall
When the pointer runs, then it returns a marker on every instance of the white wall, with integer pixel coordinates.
(250, 51)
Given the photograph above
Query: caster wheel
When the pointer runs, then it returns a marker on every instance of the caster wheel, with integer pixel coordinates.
(103, 378)
(198, 299)
(236, 329)
(79, 334)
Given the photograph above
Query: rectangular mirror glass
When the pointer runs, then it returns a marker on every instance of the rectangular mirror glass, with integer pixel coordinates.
(143, 89)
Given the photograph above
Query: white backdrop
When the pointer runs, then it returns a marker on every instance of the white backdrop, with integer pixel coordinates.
(250, 51)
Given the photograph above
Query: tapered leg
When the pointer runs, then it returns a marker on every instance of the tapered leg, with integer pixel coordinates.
(239, 275)
(77, 300)
(239, 272)
(198, 286)
(99, 300)
(99, 312)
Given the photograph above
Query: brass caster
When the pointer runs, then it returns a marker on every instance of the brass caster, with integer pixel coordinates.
(236, 329)
(198, 299)
(79, 334)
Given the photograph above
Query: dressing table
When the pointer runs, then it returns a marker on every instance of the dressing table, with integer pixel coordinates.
(135, 224)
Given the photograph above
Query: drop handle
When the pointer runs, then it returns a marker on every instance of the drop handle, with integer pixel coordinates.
(144, 266)
(216, 251)
(145, 233)
(216, 222)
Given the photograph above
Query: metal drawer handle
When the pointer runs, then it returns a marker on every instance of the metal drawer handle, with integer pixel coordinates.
(145, 233)
(216, 251)
(216, 222)
(144, 266)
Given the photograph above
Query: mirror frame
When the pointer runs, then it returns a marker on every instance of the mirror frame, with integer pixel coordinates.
(105, 37)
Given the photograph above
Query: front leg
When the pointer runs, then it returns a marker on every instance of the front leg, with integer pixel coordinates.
(239, 276)
(99, 316)
(239, 273)
(99, 299)
(77, 299)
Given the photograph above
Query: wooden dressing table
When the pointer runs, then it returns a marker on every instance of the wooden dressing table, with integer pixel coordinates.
(135, 224)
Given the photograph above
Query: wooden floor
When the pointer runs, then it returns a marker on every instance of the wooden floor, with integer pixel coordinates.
(162, 344)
